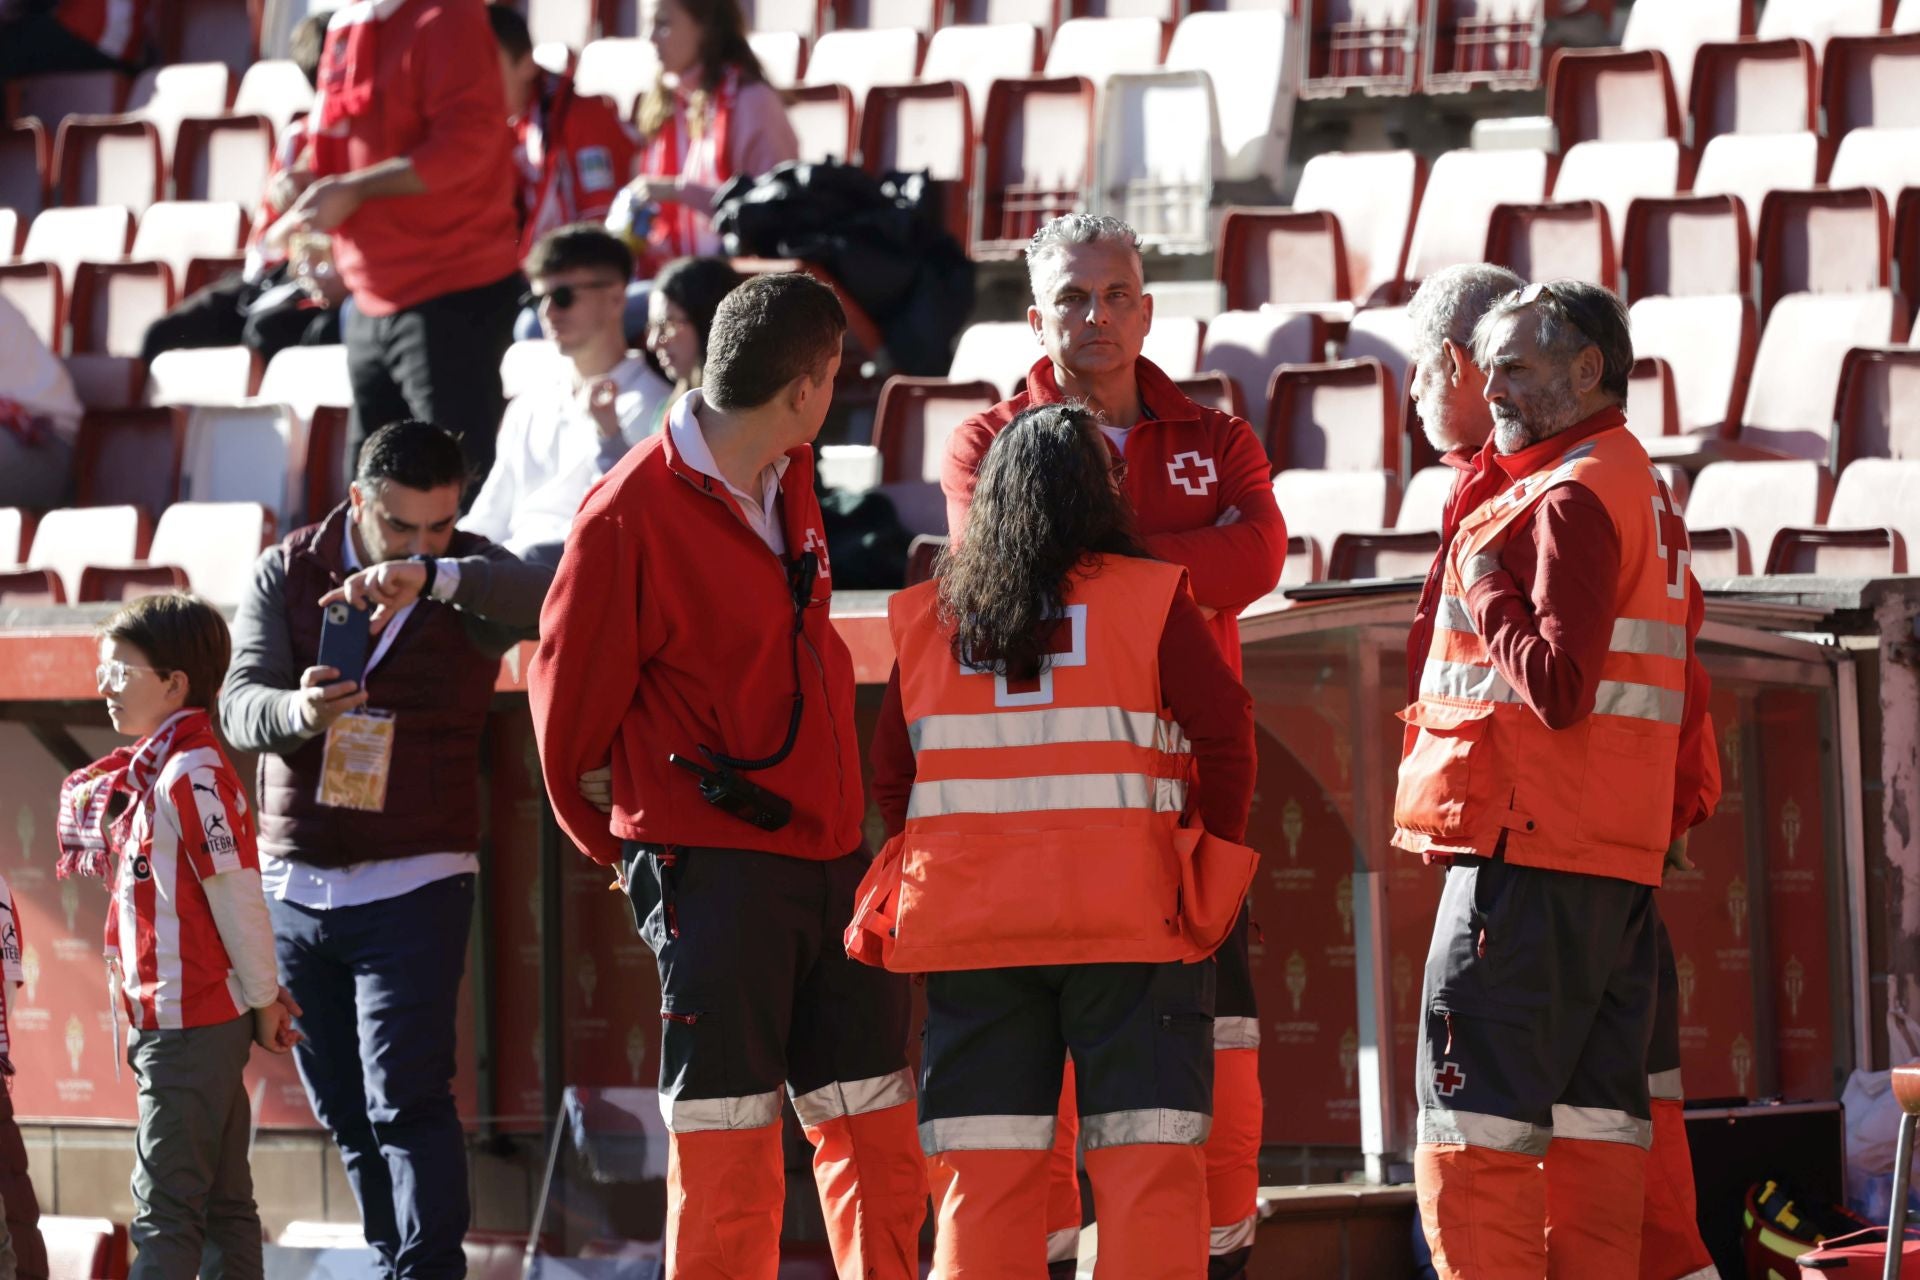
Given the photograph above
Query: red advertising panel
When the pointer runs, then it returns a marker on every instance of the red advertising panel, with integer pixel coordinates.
(1793, 762)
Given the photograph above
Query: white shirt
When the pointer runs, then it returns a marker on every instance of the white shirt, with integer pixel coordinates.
(34, 376)
(323, 888)
(549, 453)
(762, 510)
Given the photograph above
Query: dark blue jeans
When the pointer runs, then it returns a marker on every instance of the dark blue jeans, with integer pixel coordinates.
(378, 984)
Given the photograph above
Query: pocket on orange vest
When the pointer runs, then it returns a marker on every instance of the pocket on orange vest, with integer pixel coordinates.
(1215, 875)
(869, 934)
(1628, 797)
(1442, 791)
(980, 893)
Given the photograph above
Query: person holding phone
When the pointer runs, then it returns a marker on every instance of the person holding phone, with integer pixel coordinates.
(365, 657)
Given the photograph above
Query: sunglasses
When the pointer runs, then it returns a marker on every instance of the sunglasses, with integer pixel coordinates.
(111, 675)
(562, 296)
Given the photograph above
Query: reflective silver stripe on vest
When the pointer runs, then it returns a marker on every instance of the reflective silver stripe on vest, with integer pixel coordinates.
(853, 1097)
(1639, 702)
(1049, 791)
(1464, 680)
(991, 730)
(1453, 615)
(1644, 635)
(1475, 1129)
(1233, 1237)
(1601, 1124)
(696, 1115)
(986, 1133)
(1148, 1125)
(1063, 1245)
(1665, 1085)
(1236, 1033)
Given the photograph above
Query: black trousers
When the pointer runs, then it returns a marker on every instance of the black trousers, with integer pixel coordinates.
(438, 361)
(756, 990)
(997, 1041)
(1539, 1000)
(217, 316)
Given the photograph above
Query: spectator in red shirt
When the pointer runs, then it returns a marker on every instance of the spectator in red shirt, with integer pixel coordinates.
(410, 167)
(710, 116)
(573, 152)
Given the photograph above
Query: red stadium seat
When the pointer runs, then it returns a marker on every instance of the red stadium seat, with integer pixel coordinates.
(1612, 95)
(16, 535)
(31, 589)
(1038, 159)
(1754, 86)
(1099, 47)
(204, 375)
(782, 55)
(825, 121)
(1817, 21)
(1374, 194)
(914, 418)
(1493, 44)
(222, 31)
(107, 382)
(176, 232)
(1879, 407)
(1567, 240)
(1248, 54)
(169, 94)
(131, 457)
(223, 158)
(1888, 160)
(64, 545)
(1796, 373)
(1709, 344)
(861, 59)
(26, 158)
(1214, 391)
(1750, 165)
(977, 56)
(1247, 346)
(1322, 505)
(1286, 257)
(1462, 191)
(1678, 31)
(621, 68)
(1384, 334)
(1339, 416)
(922, 554)
(1736, 508)
(306, 379)
(239, 453)
(276, 89)
(52, 98)
(36, 290)
(1173, 345)
(1406, 550)
(1369, 45)
(1423, 505)
(114, 303)
(1617, 173)
(924, 128)
(1042, 14)
(321, 469)
(1653, 399)
(1867, 83)
(1688, 247)
(68, 237)
(109, 160)
(92, 1247)
(1873, 529)
(1822, 242)
(995, 351)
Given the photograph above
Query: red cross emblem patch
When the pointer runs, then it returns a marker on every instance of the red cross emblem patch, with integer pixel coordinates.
(1449, 1080)
(1194, 474)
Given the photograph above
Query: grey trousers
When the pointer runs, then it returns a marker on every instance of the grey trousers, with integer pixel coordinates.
(192, 1187)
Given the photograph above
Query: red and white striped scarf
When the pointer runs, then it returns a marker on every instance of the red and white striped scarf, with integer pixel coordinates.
(699, 152)
(87, 842)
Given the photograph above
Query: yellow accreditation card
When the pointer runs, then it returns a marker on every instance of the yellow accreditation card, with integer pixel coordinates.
(359, 756)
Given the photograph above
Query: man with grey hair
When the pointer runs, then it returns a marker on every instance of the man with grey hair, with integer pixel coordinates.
(1557, 748)
(1202, 496)
(1449, 393)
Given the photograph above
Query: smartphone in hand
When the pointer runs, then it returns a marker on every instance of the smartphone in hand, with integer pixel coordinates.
(344, 640)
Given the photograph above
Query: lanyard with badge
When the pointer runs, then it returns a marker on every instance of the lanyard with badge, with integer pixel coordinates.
(358, 757)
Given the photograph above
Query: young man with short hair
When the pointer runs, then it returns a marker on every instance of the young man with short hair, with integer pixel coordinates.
(569, 429)
(694, 707)
(369, 872)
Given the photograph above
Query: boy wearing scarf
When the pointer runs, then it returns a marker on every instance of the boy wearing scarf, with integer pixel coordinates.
(189, 944)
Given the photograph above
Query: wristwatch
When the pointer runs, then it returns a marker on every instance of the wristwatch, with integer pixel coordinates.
(432, 564)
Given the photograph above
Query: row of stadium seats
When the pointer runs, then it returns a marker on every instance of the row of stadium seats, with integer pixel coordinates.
(184, 131)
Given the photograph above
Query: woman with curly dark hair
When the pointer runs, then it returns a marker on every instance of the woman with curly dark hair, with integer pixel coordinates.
(1064, 762)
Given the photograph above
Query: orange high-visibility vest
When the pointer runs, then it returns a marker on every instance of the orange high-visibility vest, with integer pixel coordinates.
(1596, 797)
(1045, 821)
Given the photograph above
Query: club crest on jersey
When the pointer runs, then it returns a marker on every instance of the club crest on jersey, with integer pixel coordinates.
(1195, 475)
